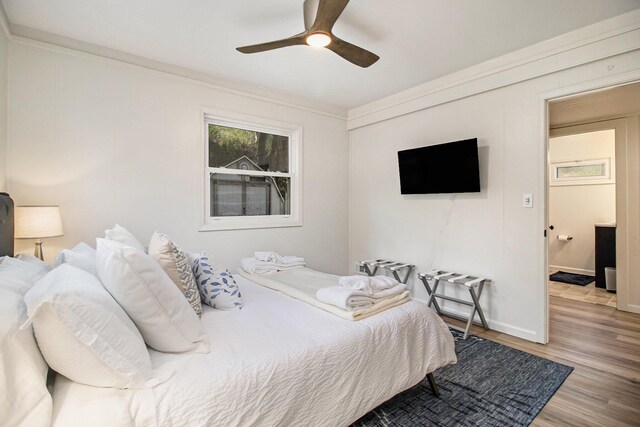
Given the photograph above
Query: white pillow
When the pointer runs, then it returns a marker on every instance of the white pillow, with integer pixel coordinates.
(81, 255)
(175, 263)
(164, 317)
(84, 334)
(23, 372)
(33, 267)
(120, 234)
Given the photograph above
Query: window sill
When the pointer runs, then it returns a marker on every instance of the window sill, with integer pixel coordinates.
(249, 223)
(568, 182)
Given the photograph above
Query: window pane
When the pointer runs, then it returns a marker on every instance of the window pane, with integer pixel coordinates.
(243, 195)
(247, 150)
(581, 171)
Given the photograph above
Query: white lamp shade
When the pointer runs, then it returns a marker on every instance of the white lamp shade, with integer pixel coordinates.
(36, 222)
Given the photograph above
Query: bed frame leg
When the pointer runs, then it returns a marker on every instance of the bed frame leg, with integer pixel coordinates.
(433, 384)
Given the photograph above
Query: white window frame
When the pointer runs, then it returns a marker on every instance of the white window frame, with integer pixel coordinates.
(257, 124)
(607, 178)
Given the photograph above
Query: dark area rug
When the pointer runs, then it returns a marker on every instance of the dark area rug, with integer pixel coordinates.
(571, 278)
(491, 385)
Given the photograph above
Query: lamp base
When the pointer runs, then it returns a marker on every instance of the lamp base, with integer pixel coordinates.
(37, 252)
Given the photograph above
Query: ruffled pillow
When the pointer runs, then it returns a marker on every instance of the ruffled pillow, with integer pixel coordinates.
(33, 267)
(23, 372)
(121, 235)
(84, 334)
(81, 256)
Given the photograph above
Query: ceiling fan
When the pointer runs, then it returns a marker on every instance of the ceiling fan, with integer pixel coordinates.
(318, 34)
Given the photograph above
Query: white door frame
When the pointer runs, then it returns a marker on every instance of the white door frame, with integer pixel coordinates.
(543, 185)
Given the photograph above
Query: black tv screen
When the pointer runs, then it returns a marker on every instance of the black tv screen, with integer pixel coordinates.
(442, 168)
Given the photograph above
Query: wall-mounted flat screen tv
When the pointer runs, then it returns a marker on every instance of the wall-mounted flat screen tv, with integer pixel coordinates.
(442, 168)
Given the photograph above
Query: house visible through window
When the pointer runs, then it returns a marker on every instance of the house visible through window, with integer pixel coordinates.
(252, 175)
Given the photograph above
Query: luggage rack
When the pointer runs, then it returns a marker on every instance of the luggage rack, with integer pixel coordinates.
(470, 282)
(395, 267)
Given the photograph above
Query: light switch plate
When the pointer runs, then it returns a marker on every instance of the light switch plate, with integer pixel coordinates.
(527, 200)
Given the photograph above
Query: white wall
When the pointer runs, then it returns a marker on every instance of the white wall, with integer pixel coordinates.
(488, 233)
(4, 68)
(574, 209)
(111, 142)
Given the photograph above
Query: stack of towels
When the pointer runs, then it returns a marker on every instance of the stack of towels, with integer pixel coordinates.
(270, 262)
(357, 292)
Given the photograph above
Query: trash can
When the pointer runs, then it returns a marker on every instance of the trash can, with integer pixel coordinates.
(610, 278)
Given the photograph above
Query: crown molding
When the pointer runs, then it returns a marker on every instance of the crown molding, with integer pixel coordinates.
(601, 40)
(45, 40)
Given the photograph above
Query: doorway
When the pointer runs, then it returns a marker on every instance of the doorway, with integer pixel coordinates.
(582, 213)
(615, 109)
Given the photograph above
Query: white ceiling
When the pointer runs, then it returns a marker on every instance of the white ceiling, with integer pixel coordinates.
(417, 40)
(597, 105)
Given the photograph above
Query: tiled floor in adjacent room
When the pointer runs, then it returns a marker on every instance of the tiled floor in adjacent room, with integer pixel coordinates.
(587, 293)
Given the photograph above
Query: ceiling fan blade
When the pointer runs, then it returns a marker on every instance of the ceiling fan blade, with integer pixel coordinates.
(276, 44)
(352, 53)
(328, 13)
(309, 8)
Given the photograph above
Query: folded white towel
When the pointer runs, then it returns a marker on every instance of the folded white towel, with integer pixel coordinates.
(268, 256)
(255, 266)
(290, 259)
(344, 298)
(369, 284)
(379, 283)
(271, 256)
(389, 293)
(359, 282)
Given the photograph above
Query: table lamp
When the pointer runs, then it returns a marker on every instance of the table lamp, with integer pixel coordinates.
(37, 222)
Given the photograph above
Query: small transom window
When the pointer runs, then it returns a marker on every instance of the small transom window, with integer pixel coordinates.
(577, 172)
(581, 171)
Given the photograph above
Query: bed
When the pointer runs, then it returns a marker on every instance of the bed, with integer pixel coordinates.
(278, 361)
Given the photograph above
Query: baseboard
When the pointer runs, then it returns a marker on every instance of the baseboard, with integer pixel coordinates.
(498, 326)
(572, 270)
(632, 308)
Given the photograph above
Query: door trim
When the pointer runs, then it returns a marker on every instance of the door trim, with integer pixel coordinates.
(543, 184)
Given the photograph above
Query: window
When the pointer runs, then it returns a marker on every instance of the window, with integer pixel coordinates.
(581, 172)
(252, 177)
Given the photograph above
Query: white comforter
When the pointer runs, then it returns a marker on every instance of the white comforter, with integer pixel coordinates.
(278, 361)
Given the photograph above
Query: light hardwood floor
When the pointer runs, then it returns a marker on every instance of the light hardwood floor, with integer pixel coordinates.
(603, 345)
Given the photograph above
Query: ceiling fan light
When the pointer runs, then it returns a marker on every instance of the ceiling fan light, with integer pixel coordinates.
(318, 40)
